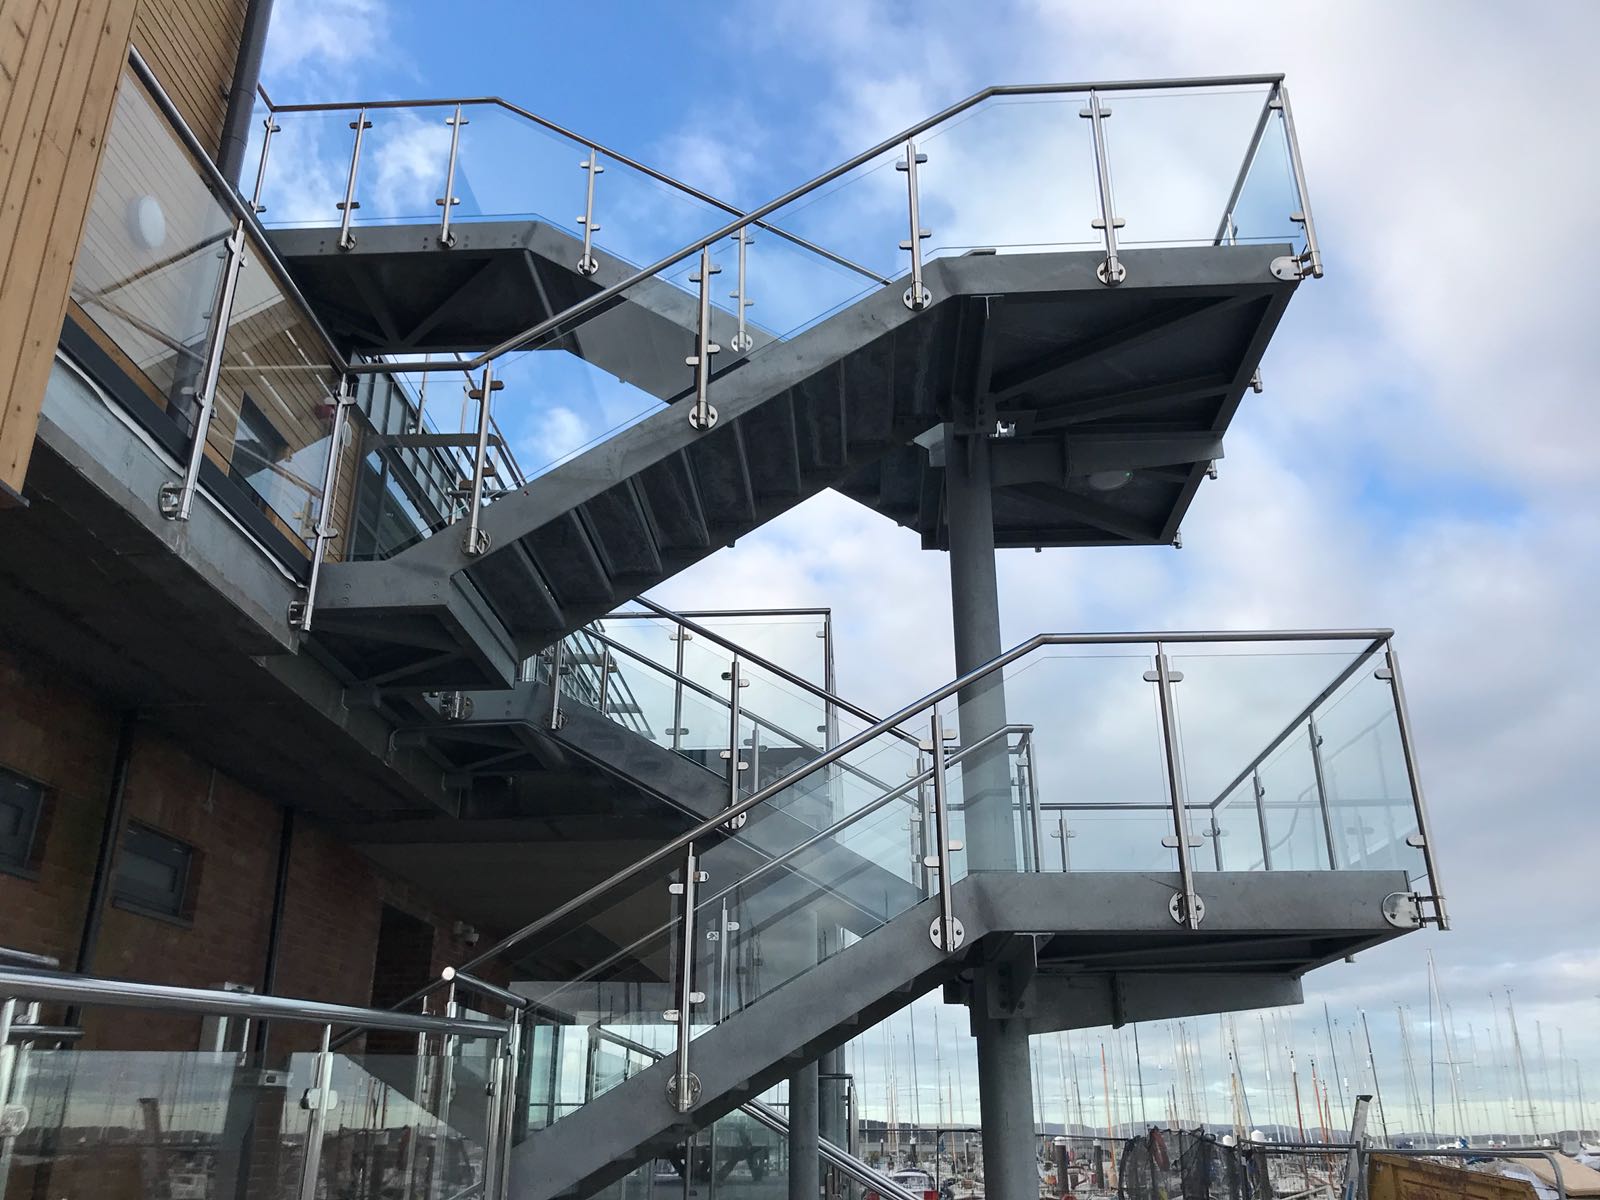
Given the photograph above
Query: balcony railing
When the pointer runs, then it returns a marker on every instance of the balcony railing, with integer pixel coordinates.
(121, 1109)
(234, 376)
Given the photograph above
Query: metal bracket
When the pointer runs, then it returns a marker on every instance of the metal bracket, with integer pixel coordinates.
(169, 499)
(1155, 676)
(1171, 842)
(313, 1099)
(455, 706)
(1403, 910)
(1177, 907)
(958, 933)
(693, 1089)
(1288, 268)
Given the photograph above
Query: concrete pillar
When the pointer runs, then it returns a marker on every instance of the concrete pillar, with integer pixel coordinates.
(805, 1176)
(1005, 1070)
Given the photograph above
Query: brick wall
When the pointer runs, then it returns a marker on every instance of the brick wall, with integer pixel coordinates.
(66, 739)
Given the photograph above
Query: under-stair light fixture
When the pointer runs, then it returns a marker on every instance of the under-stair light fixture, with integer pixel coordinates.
(1109, 481)
(147, 223)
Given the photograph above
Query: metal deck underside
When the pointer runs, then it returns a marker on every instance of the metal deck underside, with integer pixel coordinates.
(1142, 378)
(1102, 944)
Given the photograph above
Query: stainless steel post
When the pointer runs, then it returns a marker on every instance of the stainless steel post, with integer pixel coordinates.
(680, 635)
(946, 932)
(1066, 834)
(742, 340)
(916, 296)
(494, 1092)
(557, 651)
(1402, 713)
(319, 1096)
(508, 1109)
(1312, 256)
(1261, 819)
(349, 204)
(1215, 833)
(1315, 739)
(587, 265)
(702, 415)
(731, 754)
(1036, 815)
(1111, 272)
(271, 127)
(1185, 907)
(477, 541)
(449, 200)
(176, 501)
(447, 1091)
(605, 679)
(330, 488)
(684, 1086)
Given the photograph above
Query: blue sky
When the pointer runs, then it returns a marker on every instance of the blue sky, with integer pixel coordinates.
(1422, 457)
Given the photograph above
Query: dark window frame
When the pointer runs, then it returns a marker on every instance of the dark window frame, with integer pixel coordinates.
(26, 856)
(175, 904)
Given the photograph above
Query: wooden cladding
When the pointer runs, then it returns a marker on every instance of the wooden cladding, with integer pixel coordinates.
(192, 46)
(60, 62)
(59, 65)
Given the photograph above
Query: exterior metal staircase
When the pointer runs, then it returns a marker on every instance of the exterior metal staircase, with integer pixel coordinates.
(1106, 376)
(761, 948)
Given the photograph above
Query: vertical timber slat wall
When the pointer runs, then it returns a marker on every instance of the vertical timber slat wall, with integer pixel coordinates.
(192, 46)
(59, 65)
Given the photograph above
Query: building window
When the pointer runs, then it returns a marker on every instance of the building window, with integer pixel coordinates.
(155, 873)
(21, 819)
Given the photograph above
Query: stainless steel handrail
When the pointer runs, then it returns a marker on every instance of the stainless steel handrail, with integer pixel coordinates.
(756, 719)
(782, 673)
(607, 294)
(662, 853)
(843, 823)
(246, 213)
(768, 1116)
(606, 151)
(1289, 729)
(27, 958)
(127, 993)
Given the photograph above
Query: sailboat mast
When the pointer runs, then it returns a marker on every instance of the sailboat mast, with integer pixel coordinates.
(1294, 1078)
(1333, 1053)
(1377, 1089)
(1522, 1067)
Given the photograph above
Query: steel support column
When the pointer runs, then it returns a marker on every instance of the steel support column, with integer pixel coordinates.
(1005, 1072)
(805, 1171)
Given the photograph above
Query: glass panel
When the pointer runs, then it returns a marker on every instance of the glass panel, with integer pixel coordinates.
(1268, 197)
(147, 1123)
(1370, 802)
(1174, 159)
(1294, 817)
(307, 168)
(274, 408)
(405, 1124)
(1013, 175)
(151, 261)
(1118, 838)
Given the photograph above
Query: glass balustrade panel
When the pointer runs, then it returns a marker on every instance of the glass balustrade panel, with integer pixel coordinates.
(1370, 802)
(274, 409)
(148, 276)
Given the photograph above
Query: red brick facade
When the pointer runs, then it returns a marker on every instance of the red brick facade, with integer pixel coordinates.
(66, 739)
